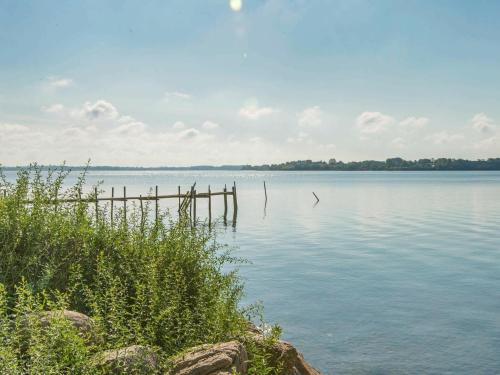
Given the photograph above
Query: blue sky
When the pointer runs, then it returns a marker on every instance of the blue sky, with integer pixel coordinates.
(197, 82)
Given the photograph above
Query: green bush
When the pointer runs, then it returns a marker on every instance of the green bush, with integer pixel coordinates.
(30, 348)
(160, 284)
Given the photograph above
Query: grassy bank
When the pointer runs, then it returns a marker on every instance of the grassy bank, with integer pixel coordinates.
(159, 284)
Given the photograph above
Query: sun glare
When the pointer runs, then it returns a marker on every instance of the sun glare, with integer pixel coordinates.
(236, 5)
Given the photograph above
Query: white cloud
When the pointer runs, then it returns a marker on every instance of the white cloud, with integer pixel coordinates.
(131, 142)
(189, 133)
(57, 82)
(444, 137)
(373, 122)
(176, 95)
(131, 128)
(489, 144)
(54, 108)
(78, 134)
(178, 125)
(254, 112)
(101, 109)
(209, 125)
(299, 138)
(414, 123)
(9, 129)
(124, 119)
(399, 142)
(310, 117)
(482, 123)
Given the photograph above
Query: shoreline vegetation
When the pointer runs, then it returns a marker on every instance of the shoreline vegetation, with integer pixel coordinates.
(84, 293)
(391, 164)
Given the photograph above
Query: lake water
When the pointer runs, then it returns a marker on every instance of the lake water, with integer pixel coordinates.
(390, 273)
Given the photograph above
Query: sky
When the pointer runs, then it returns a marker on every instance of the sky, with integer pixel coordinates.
(190, 82)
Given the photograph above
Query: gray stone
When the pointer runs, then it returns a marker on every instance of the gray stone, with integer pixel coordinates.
(80, 321)
(214, 359)
(284, 354)
(135, 359)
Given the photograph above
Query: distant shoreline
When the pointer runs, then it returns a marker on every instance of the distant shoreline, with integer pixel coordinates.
(393, 164)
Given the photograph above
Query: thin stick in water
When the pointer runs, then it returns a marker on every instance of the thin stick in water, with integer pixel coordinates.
(317, 199)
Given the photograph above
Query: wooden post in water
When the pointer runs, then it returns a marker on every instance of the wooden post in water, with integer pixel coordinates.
(225, 204)
(179, 192)
(265, 191)
(235, 205)
(209, 206)
(194, 208)
(191, 203)
(125, 205)
(112, 203)
(96, 206)
(156, 205)
(142, 213)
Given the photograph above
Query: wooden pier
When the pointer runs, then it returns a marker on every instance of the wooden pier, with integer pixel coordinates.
(187, 202)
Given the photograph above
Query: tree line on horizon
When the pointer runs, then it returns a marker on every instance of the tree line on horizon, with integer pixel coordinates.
(391, 164)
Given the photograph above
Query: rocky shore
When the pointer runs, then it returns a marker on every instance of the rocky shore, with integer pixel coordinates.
(225, 358)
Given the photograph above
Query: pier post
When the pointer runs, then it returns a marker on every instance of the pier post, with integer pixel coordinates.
(96, 206)
(225, 204)
(191, 203)
(179, 193)
(194, 208)
(209, 206)
(142, 213)
(125, 205)
(235, 205)
(156, 205)
(112, 203)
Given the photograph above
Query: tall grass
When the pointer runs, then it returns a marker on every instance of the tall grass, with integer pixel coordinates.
(160, 283)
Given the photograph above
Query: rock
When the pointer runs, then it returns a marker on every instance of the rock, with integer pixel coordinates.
(135, 359)
(80, 321)
(215, 359)
(284, 354)
(305, 368)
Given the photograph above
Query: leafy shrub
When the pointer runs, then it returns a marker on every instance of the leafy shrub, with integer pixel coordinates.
(160, 283)
(27, 346)
(261, 360)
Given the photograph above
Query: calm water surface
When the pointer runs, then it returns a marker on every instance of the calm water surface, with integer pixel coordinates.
(390, 273)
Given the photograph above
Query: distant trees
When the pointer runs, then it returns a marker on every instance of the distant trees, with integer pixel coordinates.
(392, 164)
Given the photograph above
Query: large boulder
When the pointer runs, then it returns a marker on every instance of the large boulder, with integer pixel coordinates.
(215, 359)
(135, 359)
(80, 321)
